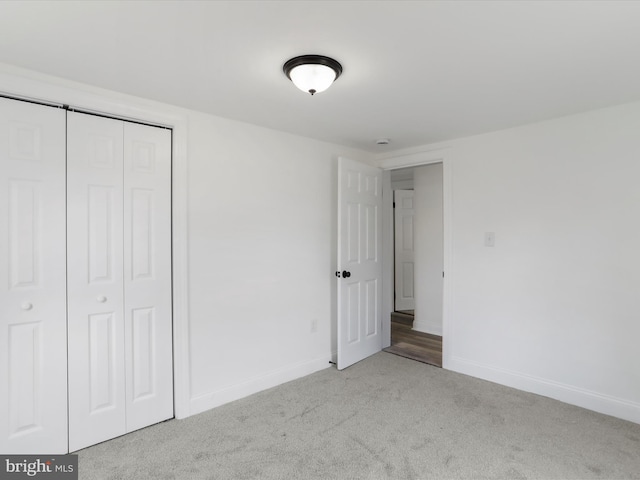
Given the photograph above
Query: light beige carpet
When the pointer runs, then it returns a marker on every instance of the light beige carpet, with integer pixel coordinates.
(386, 417)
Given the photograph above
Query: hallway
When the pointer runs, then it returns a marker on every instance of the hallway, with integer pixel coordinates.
(412, 344)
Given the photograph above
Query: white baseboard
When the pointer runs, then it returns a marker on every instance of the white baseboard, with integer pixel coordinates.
(590, 400)
(207, 401)
(426, 327)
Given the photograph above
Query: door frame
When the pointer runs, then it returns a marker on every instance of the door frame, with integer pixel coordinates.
(417, 159)
(32, 86)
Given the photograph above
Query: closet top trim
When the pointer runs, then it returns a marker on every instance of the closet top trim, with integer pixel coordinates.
(80, 110)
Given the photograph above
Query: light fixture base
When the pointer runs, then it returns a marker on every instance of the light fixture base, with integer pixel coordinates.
(315, 73)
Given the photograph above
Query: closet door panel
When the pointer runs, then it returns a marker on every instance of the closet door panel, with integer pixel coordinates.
(97, 409)
(147, 275)
(33, 343)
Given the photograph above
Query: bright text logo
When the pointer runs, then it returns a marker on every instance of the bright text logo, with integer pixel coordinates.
(54, 467)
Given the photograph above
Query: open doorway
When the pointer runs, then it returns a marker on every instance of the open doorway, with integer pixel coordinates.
(416, 320)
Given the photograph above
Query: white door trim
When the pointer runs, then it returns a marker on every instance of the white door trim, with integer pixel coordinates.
(413, 160)
(25, 84)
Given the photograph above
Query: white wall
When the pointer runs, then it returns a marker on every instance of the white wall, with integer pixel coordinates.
(428, 244)
(402, 179)
(554, 307)
(262, 218)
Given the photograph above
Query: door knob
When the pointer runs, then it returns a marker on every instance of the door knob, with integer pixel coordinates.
(26, 306)
(346, 274)
(102, 299)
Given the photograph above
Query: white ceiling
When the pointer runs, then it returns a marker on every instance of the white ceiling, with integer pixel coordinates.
(416, 72)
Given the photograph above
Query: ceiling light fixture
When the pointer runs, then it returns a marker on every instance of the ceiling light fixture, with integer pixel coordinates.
(312, 73)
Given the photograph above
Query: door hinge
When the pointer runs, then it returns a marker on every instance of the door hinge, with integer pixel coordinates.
(442, 274)
(394, 204)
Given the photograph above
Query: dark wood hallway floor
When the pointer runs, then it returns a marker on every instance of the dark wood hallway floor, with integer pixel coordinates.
(409, 343)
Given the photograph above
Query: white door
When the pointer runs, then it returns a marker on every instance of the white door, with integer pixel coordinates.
(147, 275)
(33, 343)
(95, 280)
(359, 261)
(404, 266)
(119, 229)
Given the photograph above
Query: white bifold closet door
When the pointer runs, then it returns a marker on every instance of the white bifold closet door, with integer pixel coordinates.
(33, 318)
(119, 277)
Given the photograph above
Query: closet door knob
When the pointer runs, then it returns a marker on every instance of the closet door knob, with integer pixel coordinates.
(102, 299)
(27, 306)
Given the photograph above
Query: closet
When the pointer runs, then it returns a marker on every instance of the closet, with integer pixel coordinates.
(85, 303)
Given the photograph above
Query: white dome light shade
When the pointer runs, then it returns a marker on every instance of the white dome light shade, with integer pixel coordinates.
(312, 73)
(312, 78)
